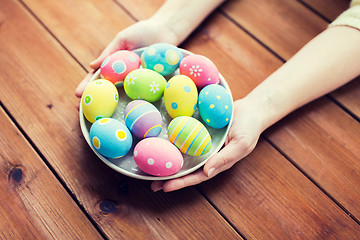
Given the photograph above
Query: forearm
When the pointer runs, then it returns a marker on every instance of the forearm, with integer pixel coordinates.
(327, 62)
(181, 17)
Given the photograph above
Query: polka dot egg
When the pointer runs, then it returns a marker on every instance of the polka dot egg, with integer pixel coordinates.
(144, 84)
(215, 106)
(200, 69)
(143, 119)
(180, 96)
(116, 66)
(110, 138)
(99, 100)
(158, 157)
(163, 58)
(189, 135)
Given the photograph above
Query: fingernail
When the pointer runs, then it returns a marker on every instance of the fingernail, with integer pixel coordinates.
(211, 172)
(156, 186)
(93, 62)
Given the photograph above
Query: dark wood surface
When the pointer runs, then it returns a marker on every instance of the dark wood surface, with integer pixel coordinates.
(302, 181)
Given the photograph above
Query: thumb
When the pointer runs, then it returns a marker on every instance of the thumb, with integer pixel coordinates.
(226, 158)
(116, 44)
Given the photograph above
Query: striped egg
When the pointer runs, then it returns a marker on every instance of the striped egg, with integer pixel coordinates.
(189, 135)
(143, 119)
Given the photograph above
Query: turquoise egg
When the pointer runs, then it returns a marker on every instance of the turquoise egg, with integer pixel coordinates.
(163, 58)
(215, 106)
(110, 137)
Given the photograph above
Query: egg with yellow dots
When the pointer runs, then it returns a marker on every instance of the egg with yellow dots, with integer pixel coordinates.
(99, 100)
(180, 96)
(163, 58)
(110, 137)
(215, 106)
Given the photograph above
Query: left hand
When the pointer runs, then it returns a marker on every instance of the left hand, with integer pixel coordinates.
(242, 139)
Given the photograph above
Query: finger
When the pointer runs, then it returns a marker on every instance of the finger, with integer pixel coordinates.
(116, 44)
(81, 87)
(188, 180)
(226, 158)
(157, 185)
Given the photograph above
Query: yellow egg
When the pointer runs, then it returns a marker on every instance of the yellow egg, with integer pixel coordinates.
(99, 100)
(180, 96)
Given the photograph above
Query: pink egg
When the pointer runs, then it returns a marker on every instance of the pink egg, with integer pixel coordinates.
(158, 157)
(200, 69)
(116, 66)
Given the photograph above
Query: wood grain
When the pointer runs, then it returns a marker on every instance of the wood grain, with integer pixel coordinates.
(31, 197)
(266, 186)
(284, 27)
(256, 195)
(223, 43)
(330, 8)
(324, 143)
(44, 107)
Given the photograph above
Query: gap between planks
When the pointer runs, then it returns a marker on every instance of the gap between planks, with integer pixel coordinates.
(48, 165)
(33, 145)
(268, 140)
(337, 103)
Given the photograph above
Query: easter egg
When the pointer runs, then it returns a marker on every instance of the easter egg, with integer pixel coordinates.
(116, 66)
(110, 138)
(99, 100)
(144, 84)
(158, 157)
(180, 96)
(189, 135)
(143, 119)
(200, 69)
(215, 106)
(163, 58)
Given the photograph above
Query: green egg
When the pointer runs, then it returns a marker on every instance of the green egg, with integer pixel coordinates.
(144, 84)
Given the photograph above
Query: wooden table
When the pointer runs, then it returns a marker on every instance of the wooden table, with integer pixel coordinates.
(301, 181)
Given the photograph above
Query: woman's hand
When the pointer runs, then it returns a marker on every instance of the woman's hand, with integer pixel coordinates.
(140, 34)
(242, 139)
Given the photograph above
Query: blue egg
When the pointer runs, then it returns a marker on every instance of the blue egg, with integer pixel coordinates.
(215, 106)
(163, 58)
(110, 137)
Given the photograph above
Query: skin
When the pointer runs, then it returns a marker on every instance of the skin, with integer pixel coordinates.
(325, 63)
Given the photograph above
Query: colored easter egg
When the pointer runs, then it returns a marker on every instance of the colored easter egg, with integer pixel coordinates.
(163, 58)
(143, 119)
(99, 100)
(158, 157)
(116, 66)
(144, 84)
(189, 135)
(215, 106)
(110, 138)
(180, 96)
(200, 69)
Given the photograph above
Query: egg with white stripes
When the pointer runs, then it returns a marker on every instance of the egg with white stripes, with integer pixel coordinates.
(189, 135)
(143, 119)
(110, 138)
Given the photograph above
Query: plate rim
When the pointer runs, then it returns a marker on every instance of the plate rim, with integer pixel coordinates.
(86, 134)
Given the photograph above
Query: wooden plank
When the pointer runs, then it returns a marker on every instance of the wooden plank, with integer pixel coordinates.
(285, 26)
(266, 186)
(213, 40)
(31, 197)
(40, 97)
(93, 25)
(324, 142)
(330, 8)
(252, 63)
